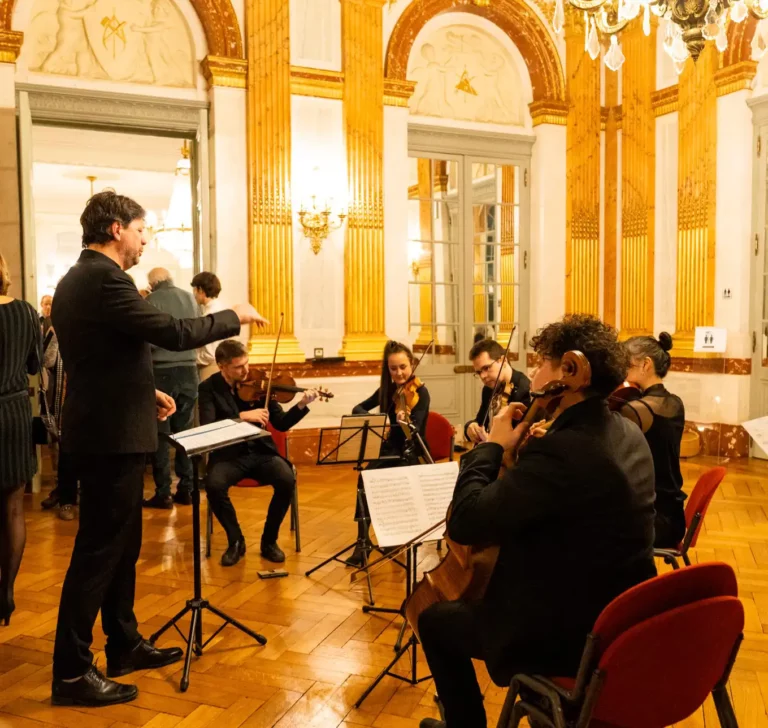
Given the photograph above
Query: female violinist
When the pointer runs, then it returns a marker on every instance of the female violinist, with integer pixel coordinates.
(661, 416)
(573, 521)
(405, 400)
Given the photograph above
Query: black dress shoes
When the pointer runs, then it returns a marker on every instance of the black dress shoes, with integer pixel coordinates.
(272, 552)
(432, 723)
(158, 501)
(92, 689)
(234, 553)
(182, 498)
(144, 656)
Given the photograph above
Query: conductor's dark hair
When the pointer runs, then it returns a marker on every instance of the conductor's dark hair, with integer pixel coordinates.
(386, 386)
(208, 283)
(228, 350)
(486, 346)
(102, 211)
(599, 342)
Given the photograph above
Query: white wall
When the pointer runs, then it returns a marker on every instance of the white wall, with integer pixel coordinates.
(229, 190)
(316, 34)
(733, 253)
(319, 167)
(547, 290)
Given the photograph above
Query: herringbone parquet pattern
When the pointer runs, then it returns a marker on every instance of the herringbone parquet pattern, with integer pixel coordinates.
(322, 649)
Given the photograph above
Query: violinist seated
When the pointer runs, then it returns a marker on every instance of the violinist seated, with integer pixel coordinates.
(661, 416)
(258, 459)
(573, 519)
(487, 357)
(396, 371)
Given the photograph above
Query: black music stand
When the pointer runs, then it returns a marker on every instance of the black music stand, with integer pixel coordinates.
(346, 435)
(411, 645)
(199, 442)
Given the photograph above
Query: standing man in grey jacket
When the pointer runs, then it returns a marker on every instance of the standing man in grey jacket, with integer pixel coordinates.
(175, 374)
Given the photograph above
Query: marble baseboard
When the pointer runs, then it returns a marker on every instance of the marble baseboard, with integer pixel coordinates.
(722, 440)
(719, 365)
(318, 369)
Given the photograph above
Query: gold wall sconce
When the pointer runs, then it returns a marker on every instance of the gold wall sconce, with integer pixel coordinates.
(317, 224)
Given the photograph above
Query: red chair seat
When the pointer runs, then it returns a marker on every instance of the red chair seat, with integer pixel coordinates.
(248, 483)
(566, 683)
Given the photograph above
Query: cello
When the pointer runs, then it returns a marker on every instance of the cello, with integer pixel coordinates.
(464, 573)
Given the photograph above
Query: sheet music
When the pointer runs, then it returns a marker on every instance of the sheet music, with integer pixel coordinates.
(406, 501)
(218, 433)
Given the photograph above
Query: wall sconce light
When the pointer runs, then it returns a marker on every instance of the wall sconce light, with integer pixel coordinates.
(318, 224)
(415, 254)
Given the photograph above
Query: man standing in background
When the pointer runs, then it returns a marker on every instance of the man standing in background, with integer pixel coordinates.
(175, 374)
(206, 288)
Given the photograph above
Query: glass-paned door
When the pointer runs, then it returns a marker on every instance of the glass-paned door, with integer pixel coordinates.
(466, 250)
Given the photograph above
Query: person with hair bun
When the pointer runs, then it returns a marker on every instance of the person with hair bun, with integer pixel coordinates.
(396, 369)
(661, 416)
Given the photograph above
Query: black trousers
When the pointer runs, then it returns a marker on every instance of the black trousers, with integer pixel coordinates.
(66, 487)
(268, 468)
(102, 571)
(181, 384)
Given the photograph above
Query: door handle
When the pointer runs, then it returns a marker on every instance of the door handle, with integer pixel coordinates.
(754, 342)
(525, 340)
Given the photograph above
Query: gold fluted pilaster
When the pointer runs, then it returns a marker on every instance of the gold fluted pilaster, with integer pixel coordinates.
(363, 101)
(697, 167)
(638, 187)
(270, 244)
(507, 250)
(610, 271)
(582, 246)
(424, 269)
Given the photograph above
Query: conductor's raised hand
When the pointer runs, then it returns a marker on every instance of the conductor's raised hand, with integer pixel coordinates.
(165, 405)
(249, 315)
(506, 428)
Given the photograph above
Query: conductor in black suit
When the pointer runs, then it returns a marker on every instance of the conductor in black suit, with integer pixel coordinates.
(105, 329)
(574, 522)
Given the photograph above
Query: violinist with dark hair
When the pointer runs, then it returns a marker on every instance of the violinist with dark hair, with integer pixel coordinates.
(405, 400)
(661, 416)
(572, 518)
(219, 399)
(497, 375)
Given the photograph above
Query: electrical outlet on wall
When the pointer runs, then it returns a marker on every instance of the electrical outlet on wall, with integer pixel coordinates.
(726, 293)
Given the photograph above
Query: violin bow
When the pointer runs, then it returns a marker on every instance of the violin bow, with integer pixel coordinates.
(274, 359)
(498, 378)
(423, 354)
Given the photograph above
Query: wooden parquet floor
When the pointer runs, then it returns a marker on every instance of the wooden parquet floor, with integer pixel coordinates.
(322, 651)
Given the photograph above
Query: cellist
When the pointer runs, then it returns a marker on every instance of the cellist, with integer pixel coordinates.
(397, 368)
(573, 519)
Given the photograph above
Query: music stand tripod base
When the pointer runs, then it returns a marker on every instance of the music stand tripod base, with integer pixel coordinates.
(197, 604)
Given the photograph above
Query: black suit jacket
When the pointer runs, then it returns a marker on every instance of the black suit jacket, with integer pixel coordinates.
(105, 329)
(521, 393)
(574, 520)
(216, 402)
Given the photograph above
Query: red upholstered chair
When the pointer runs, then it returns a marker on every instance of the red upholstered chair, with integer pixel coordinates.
(440, 437)
(653, 656)
(281, 442)
(695, 510)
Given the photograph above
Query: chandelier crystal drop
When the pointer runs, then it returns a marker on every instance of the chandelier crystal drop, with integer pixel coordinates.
(689, 25)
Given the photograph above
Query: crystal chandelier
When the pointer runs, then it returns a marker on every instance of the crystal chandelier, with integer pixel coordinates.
(690, 23)
(175, 235)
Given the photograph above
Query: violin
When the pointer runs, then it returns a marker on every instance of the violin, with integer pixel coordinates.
(625, 392)
(502, 391)
(283, 388)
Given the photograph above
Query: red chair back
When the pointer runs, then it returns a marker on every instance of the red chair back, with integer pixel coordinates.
(439, 436)
(661, 670)
(661, 594)
(701, 497)
(281, 443)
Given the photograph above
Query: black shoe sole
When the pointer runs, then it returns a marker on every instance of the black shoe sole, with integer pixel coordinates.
(128, 670)
(61, 700)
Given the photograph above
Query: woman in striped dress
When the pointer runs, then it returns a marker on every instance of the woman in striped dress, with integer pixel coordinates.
(20, 343)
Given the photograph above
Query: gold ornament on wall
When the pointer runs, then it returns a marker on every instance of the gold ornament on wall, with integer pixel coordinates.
(318, 224)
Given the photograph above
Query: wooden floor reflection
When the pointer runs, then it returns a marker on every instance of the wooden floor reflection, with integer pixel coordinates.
(322, 651)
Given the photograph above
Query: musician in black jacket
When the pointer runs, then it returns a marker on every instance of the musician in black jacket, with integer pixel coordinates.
(487, 357)
(574, 519)
(109, 426)
(257, 459)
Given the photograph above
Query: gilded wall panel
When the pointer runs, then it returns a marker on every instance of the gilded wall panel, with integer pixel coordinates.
(638, 189)
(582, 251)
(697, 167)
